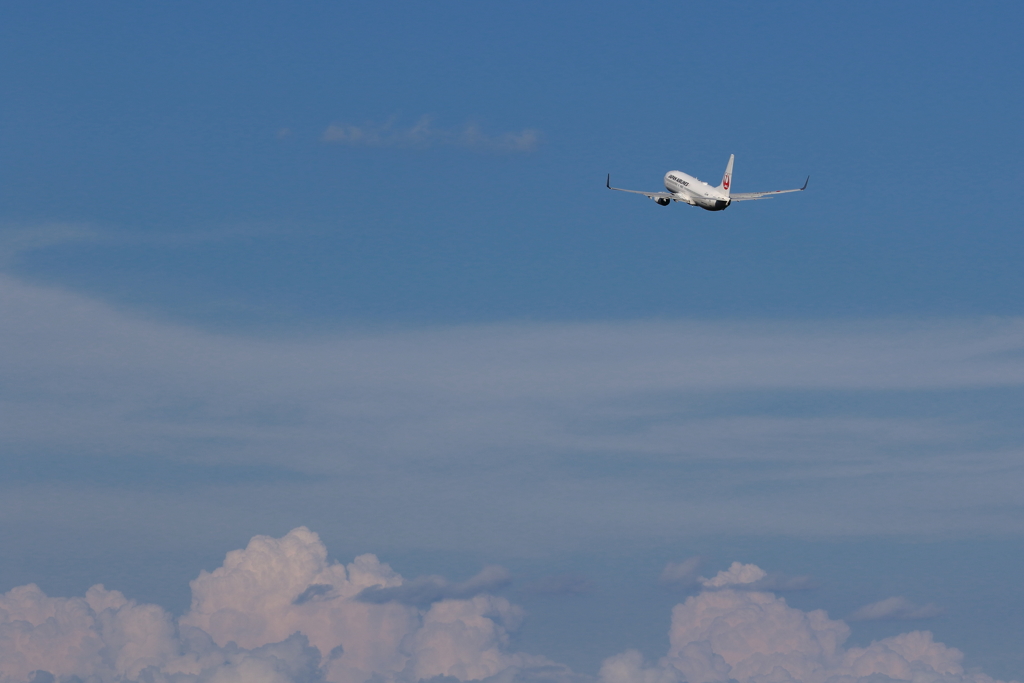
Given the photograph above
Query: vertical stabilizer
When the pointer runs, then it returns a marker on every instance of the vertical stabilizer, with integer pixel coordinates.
(727, 178)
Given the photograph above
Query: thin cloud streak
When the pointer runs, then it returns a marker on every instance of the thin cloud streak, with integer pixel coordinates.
(429, 589)
(749, 577)
(561, 584)
(19, 240)
(424, 134)
(896, 608)
(16, 240)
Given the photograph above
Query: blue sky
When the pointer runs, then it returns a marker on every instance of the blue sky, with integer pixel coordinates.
(353, 267)
(149, 122)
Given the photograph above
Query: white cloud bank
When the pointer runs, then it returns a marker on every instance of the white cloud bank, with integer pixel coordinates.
(424, 134)
(279, 612)
(275, 611)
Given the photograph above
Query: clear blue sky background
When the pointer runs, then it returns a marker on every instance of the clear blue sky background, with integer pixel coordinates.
(168, 160)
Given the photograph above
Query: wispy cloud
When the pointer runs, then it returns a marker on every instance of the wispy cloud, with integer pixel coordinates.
(19, 239)
(682, 574)
(896, 608)
(561, 584)
(620, 429)
(428, 589)
(750, 577)
(425, 134)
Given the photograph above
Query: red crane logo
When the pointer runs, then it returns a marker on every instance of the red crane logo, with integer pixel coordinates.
(725, 181)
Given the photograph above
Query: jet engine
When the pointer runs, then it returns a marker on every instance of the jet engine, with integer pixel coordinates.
(662, 201)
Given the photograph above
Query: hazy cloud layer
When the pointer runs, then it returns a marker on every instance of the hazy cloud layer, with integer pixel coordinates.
(896, 608)
(615, 429)
(424, 134)
(249, 622)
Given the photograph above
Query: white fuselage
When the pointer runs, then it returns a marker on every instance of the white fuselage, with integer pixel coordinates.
(695, 192)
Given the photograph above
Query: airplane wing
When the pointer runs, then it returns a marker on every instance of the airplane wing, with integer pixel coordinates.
(747, 196)
(652, 195)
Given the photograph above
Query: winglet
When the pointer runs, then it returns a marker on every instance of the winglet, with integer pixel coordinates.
(805, 183)
(608, 183)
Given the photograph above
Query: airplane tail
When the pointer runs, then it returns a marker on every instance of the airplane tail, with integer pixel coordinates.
(727, 178)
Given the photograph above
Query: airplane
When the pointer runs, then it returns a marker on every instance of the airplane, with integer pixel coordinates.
(689, 190)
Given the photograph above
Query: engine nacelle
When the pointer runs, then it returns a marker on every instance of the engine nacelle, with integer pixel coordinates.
(662, 201)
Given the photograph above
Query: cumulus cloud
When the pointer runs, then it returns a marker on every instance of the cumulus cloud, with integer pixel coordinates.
(278, 611)
(755, 637)
(105, 637)
(896, 608)
(275, 611)
(424, 134)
